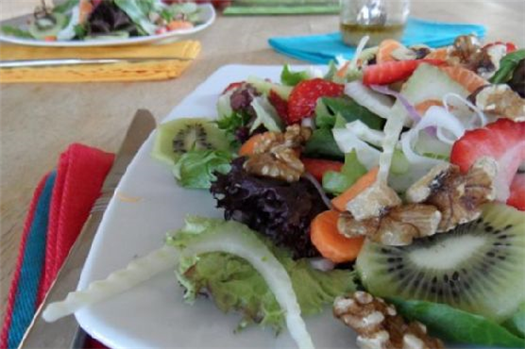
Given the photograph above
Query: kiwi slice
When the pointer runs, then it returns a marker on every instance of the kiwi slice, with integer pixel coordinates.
(179, 136)
(48, 25)
(477, 267)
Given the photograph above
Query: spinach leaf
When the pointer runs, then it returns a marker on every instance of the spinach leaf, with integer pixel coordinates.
(14, 31)
(458, 326)
(507, 66)
(337, 182)
(328, 107)
(322, 144)
(293, 78)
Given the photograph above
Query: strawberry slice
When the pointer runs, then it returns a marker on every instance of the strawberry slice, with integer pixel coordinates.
(233, 86)
(517, 192)
(280, 104)
(317, 167)
(304, 96)
(394, 71)
(503, 140)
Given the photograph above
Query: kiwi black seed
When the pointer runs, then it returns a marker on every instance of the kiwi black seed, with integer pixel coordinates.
(478, 267)
(179, 136)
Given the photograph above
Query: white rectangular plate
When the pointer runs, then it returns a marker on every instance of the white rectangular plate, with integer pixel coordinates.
(147, 204)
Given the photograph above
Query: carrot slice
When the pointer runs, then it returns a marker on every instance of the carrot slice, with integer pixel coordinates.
(85, 8)
(385, 49)
(247, 148)
(363, 183)
(330, 242)
(467, 78)
(179, 24)
(342, 71)
(423, 107)
(438, 54)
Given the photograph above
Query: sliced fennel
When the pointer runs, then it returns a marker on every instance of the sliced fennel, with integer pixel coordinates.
(264, 87)
(365, 133)
(137, 271)
(266, 115)
(224, 107)
(347, 141)
(235, 238)
(371, 100)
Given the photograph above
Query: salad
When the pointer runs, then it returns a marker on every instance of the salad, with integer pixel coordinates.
(389, 187)
(106, 19)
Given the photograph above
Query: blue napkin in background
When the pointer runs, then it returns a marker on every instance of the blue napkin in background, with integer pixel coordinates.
(321, 49)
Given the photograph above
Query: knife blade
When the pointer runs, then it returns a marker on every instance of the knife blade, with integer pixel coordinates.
(62, 334)
(81, 61)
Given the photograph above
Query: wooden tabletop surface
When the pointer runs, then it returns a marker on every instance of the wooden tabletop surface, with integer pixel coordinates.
(38, 121)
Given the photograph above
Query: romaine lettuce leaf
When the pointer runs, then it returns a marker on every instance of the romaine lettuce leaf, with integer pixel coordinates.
(266, 115)
(348, 109)
(195, 169)
(337, 182)
(458, 326)
(322, 144)
(236, 285)
(507, 66)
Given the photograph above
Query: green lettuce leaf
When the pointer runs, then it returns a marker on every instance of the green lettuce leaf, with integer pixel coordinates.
(507, 66)
(332, 69)
(266, 115)
(17, 32)
(66, 6)
(516, 324)
(337, 182)
(458, 326)
(136, 10)
(322, 145)
(235, 285)
(293, 78)
(195, 169)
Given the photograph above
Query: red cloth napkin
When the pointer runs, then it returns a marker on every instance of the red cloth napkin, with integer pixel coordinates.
(79, 177)
(81, 173)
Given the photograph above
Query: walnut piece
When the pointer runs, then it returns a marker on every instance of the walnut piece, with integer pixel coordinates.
(373, 201)
(398, 226)
(501, 101)
(457, 196)
(275, 154)
(379, 326)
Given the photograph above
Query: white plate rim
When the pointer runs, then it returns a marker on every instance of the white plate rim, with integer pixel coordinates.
(208, 10)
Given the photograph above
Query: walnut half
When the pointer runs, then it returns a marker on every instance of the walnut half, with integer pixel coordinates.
(457, 196)
(398, 226)
(275, 154)
(379, 326)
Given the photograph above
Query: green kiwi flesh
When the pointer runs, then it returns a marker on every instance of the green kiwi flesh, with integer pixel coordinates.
(179, 136)
(47, 26)
(478, 267)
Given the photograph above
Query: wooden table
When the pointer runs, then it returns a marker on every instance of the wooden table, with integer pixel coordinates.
(38, 121)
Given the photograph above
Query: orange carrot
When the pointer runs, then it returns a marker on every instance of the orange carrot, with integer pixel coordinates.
(385, 49)
(423, 107)
(176, 25)
(342, 71)
(438, 54)
(85, 7)
(363, 183)
(330, 242)
(467, 78)
(247, 148)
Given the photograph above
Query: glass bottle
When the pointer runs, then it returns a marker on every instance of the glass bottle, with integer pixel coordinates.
(380, 19)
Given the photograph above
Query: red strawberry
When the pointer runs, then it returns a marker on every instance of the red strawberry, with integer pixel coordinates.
(233, 86)
(503, 140)
(280, 105)
(393, 71)
(317, 167)
(304, 96)
(517, 192)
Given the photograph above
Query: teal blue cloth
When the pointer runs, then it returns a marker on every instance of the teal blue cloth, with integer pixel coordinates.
(322, 49)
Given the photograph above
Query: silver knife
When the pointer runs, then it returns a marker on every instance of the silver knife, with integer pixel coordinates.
(81, 61)
(63, 333)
